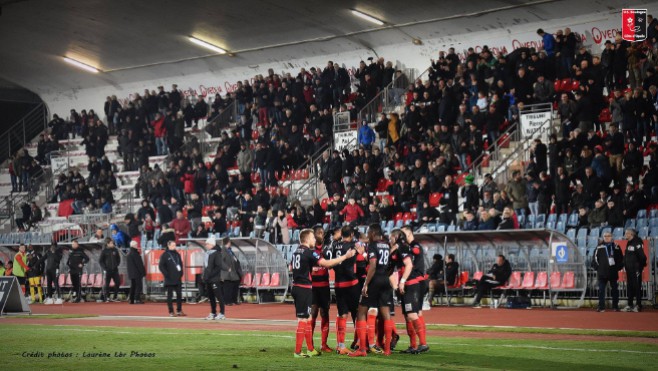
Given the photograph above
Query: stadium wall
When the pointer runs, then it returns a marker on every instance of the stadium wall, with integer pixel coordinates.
(505, 31)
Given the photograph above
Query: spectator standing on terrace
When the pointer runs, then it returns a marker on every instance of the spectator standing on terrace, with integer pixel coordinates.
(366, 135)
(608, 261)
(171, 266)
(181, 226)
(516, 189)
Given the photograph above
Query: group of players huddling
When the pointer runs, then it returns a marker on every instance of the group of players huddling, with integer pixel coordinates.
(367, 271)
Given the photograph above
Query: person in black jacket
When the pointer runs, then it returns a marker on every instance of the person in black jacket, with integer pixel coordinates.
(171, 266)
(35, 264)
(634, 262)
(109, 261)
(77, 260)
(607, 260)
(53, 258)
(211, 278)
(136, 272)
(497, 275)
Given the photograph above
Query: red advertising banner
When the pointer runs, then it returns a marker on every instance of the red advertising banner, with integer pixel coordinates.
(634, 24)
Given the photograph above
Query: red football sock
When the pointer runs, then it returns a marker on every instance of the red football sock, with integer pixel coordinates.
(325, 330)
(388, 330)
(299, 336)
(371, 328)
(412, 335)
(361, 329)
(309, 338)
(419, 326)
(313, 320)
(380, 332)
(341, 326)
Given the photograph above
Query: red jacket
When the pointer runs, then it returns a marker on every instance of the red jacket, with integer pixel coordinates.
(182, 227)
(188, 183)
(159, 128)
(352, 212)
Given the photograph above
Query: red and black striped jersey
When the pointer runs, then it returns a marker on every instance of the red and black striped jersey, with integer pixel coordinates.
(414, 252)
(320, 275)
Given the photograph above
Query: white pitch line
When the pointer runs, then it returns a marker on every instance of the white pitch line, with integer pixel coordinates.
(513, 346)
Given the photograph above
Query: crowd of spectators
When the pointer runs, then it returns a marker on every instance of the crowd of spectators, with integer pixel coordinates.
(596, 164)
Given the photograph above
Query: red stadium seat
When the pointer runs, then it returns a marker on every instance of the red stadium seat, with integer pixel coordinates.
(256, 280)
(246, 280)
(461, 279)
(542, 281)
(305, 174)
(555, 279)
(406, 217)
(514, 282)
(276, 280)
(324, 203)
(528, 281)
(98, 280)
(397, 217)
(254, 135)
(575, 85)
(84, 280)
(557, 86)
(565, 85)
(568, 281)
(265, 281)
(477, 275)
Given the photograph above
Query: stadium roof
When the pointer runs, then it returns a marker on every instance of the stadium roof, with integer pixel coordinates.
(148, 39)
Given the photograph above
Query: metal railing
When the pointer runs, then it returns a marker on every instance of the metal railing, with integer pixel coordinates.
(23, 131)
(223, 120)
(41, 182)
(495, 151)
(311, 184)
(384, 100)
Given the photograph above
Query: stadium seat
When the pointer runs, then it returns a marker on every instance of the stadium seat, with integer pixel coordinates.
(572, 221)
(461, 279)
(477, 275)
(555, 280)
(653, 222)
(653, 231)
(550, 225)
(528, 282)
(563, 218)
(630, 223)
(542, 281)
(594, 232)
(451, 228)
(276, 279)
(605, 230)
(641, 222)
(257, 278)
(514, 282)
(568, 281)
(582, 232)
(552, 218)
(653, 213)
(592, 242)
(397, 217)
(84, 280)
(561, 227)
(246, 280)
(571, 233)
(618, 233)
(265, 280)
(642, 213)
(643, 233)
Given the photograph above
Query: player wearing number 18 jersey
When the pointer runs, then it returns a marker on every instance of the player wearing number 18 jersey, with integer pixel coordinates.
(376, 292)
(303, 261)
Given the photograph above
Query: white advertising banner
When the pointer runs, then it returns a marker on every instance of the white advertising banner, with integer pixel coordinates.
(58, 165)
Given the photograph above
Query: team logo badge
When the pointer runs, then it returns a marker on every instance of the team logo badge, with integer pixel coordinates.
(634, 24)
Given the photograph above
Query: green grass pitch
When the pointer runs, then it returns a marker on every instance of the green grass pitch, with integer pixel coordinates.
(40, 347)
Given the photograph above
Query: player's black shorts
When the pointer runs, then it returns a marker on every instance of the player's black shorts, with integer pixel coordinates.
(380, 293)
(322, 297)
(303, 298)
(347, 299)
(412, 299)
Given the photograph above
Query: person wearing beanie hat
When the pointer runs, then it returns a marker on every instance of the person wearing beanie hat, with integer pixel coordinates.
(109, 262)
(211, 279)
(136, 273)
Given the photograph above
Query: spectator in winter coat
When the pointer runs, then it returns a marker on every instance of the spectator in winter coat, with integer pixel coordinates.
(120, 238)
(181, 226)
(366, 135)
(136, 273)
(352, 212)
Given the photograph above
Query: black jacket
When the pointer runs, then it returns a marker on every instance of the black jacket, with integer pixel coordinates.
(53, 259)
(110, 259)
(135, 265)
(635, 260)
(601, 264)
(77, 260)
(171, 266)
(212, 271)
(501, 273)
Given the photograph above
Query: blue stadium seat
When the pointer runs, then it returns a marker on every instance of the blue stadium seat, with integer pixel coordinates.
(550, 224)
(642, 213)
(582, 232)
(441, 228)
(641, 222)
(571, 233)
(561, 227)
(653, 213)
(653, 222)
(605, 230)
(581, 241)
(541, 218)
(594, 232)
(630, 223)
(573, 220)
(618, 233)
(521, 219)
(451, 228)
(390, 225)
(592, 242)
(643, 232)
(653, 231)
(563, 218)
(530, 221)
(552, 218)
(431, 227)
